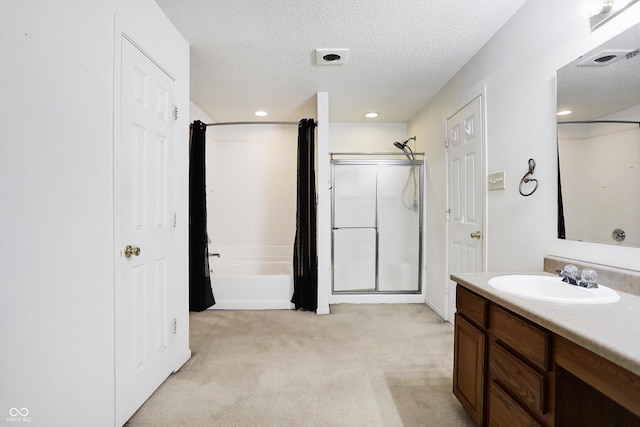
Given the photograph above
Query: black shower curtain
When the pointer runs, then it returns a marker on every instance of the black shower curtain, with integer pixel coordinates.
(200, 293)
(561, 226)
(305, 264)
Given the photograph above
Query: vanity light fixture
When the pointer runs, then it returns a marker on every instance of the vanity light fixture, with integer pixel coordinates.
(564, 112)
(261, 113)
(371, 115)
(602, 10)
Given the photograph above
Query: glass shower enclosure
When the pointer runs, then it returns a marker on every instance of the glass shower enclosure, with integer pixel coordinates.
(377, 226)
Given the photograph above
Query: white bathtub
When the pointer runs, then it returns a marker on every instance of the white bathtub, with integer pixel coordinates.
(251, 278)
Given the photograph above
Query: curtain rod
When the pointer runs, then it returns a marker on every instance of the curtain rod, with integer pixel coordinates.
(251, 123)
(373, 153)
(600, 121)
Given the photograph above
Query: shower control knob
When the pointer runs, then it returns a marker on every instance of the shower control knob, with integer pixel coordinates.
(476, 235)
(131, 250)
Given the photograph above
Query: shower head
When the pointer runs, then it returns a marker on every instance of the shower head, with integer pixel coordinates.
(403, 145)
(400, 145)
(405, 149)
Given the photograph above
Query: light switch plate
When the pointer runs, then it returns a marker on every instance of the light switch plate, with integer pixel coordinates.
(496, 181)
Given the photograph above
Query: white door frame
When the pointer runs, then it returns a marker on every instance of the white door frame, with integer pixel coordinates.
(483, 163)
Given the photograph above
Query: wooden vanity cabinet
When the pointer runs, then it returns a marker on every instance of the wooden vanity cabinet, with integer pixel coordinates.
(502, 365)
(509, 371)
(520, 371)
(470, 347)
(592, 391)
(469, 367)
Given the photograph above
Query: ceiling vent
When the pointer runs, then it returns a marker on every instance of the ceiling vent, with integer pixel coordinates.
(603, 58)
(332, 56)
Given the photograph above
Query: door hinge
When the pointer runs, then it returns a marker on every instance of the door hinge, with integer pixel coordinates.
(175, 326)
(446, 143)
(175, 113)
(175, 220)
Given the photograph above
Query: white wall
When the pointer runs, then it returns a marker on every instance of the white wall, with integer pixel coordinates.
(352, 137)
(517, 68)
(324, 203)
(57, 254)
(251, 185)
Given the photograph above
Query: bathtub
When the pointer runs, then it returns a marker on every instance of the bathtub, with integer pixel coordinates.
(252, 278)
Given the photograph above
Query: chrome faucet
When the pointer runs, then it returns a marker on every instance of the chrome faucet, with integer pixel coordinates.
(586, 278)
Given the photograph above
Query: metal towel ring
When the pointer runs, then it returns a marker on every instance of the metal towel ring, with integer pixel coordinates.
(525, 179)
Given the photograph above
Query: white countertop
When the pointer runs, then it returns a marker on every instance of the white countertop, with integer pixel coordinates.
(609, 330)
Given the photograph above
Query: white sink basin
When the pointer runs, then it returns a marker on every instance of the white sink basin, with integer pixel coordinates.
(551, 288)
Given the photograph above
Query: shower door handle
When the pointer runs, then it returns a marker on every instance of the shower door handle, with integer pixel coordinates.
(476, 235)
(131, 250)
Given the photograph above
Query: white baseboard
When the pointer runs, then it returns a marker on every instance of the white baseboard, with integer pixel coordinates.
(253, 305)
(323, 310)
(377, 299)
(182, 360)
(436, 310)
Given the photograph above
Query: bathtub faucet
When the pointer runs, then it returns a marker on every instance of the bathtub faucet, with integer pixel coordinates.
(216, 255)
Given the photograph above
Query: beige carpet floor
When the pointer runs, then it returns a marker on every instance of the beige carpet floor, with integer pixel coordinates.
(362, 365)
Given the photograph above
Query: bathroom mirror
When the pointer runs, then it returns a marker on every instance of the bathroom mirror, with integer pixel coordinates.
(599, 144)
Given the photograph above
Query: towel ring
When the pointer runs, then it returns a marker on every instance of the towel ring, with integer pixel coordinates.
(525, 179)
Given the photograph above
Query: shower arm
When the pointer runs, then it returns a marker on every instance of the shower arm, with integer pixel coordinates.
(404, 147)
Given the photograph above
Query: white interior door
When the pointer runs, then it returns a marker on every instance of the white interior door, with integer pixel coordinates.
(465, 193)
(145, 342)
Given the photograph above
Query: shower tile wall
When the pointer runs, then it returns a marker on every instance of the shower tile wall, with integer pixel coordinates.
(251, 186)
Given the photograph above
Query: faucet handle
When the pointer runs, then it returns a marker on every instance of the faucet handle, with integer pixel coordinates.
(589, 278)
(571, 271)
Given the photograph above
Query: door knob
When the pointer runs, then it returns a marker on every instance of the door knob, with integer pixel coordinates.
(131, 250)
(476, 235)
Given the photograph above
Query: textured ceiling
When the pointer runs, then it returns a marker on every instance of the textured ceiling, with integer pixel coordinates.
(249, 55)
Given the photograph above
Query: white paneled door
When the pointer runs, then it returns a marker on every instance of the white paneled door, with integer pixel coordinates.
(465, 194)
(145, 342)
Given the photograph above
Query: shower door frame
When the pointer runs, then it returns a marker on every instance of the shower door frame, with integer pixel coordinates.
(378, 162)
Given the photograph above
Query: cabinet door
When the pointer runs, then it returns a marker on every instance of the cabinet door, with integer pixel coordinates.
(469, 367)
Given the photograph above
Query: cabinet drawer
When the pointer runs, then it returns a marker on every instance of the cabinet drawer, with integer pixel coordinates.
(529, 340)
(472, 306)
(504, 411)
(519, 378)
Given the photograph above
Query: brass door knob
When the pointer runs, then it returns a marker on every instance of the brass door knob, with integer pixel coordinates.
(476, 235)
(131, 250)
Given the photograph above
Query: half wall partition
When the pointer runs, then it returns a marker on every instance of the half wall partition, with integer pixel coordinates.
(377, 226)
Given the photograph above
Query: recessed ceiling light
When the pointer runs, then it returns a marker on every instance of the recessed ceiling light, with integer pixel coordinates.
(260, 113)
(564, 112)
(371, 115)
